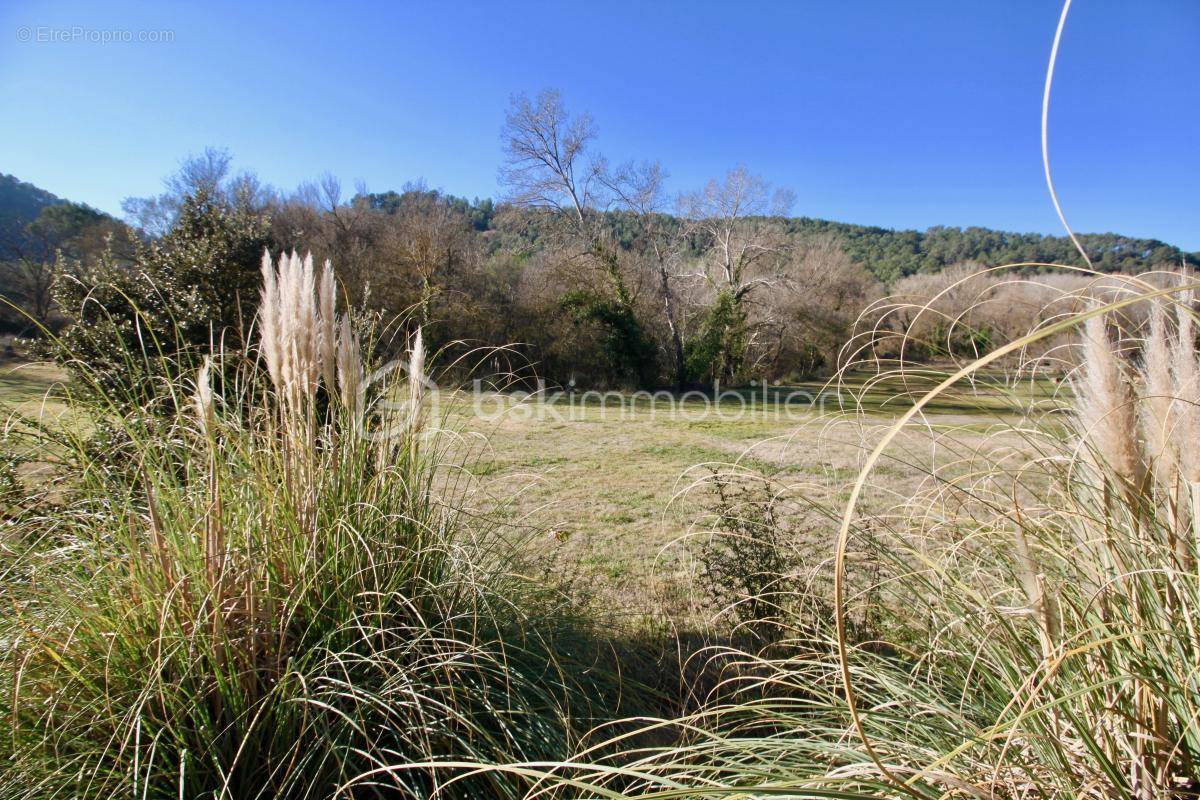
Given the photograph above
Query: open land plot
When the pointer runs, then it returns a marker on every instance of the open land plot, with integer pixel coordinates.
(615, 493)
(620, 495)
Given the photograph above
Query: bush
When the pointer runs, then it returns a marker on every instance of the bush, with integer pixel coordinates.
(135, 331)
(629, 354)
(746, 562)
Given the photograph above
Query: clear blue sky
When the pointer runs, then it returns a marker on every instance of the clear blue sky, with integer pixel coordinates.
(902, 114)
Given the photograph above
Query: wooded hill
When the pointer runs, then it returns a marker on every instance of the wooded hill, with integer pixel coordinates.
(610, 293)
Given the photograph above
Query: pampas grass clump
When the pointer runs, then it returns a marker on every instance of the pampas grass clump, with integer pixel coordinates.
(275, 596)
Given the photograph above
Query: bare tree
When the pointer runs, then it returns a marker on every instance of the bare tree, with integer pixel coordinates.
(33, 273)
(745, 247)
(207, 173)
(548, 166)
(745, 250)
(61, 234)
(336, 228)
(826, 292)
(429, 241)
(546, 159)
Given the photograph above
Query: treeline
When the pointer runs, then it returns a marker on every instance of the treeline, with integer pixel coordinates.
(587, 272)
(892, 254)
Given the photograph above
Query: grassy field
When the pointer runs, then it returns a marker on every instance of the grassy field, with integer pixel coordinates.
(616, 492)
(620, 493)
(30, 387)
(299, 567)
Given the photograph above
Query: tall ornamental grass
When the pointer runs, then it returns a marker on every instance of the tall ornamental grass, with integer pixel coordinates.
(271, 593)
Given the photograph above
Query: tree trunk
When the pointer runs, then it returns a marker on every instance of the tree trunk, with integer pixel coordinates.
(676, 339)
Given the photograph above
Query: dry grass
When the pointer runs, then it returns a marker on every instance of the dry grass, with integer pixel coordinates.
(31, 388)
(622, 498)
(618, 500)
(1029, 589)
(242, 597)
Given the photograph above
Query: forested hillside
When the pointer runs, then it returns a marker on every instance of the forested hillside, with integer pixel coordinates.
(20, 204)
(39, 234)
(887, 253)
(890, 254)
(590, 271)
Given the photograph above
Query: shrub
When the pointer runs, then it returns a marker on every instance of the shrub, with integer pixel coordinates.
(136, 330)
(628, 352)
(747, 560)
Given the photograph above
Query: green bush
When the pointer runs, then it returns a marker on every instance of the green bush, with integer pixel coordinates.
(135, 330)
(747, 560)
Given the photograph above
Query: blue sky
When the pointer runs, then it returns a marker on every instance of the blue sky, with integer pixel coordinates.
(902, 114)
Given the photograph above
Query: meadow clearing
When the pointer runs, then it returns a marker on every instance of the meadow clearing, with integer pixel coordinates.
(614, 492)
(612, 478)
(620, 495)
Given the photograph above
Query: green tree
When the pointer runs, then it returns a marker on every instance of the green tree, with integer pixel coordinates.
(719, 348)
(629, 353)
(195, 287)
(60, 231)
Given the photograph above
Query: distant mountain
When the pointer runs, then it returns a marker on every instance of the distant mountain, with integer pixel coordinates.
(36, 229)
(20, 203)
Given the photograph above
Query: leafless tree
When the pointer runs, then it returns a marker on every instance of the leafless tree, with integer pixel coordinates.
(62, 235)
(33, 272)
(428, 241)
(745, 247)
(825, 294)
(209, 173)
(548, 165)
(964, 307)
(546, 156)
(744, 250)
(343, 230)
(201, 173)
